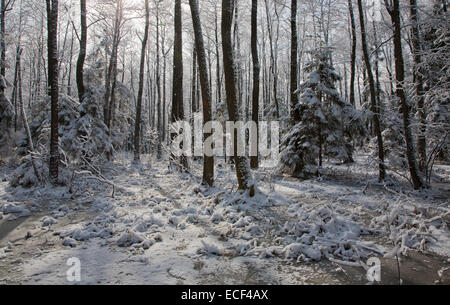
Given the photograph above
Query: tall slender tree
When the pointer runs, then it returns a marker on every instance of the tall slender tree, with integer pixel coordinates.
(82, 52)
(52, 52)
(111, 75)
(256, 72)
(137, 123)
(177, 87)
(393, 7)
(5, 6)
(245, 181)
(373, 104)
(353, 56)
(159, 118)
(294, 49)
(419, 84)
(208, 161)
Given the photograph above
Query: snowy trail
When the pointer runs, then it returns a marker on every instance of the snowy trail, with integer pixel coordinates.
(163, 228)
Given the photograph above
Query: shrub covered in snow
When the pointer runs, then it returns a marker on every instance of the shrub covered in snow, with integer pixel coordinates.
(409, 227)
(322, 232)
(327, 122)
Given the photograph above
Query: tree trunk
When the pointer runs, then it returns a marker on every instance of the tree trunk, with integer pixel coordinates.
(2, 40)
(158, 88)
(218, 79)
(376, 120)
(69, 78)
(164, 96)
(353, 57)
(417, 49)
(256, 72)
(82, 53)
(111, 74)
(52, 46)
(208, 161)
(244, 178)
(273, 62)
(294, 46)
(394, 11)
(14, 91)
(177, 87)
(137, 123)
(26, 126)
(194, 81)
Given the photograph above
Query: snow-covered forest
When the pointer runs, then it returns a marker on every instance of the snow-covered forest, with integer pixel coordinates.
(118, 164)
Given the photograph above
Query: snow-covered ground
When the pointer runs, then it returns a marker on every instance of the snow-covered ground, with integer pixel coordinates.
(162, 227)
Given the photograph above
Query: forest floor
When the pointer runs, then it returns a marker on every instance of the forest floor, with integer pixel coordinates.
(162, 227)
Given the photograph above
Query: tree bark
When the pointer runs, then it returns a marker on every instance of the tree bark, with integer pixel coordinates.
(417, 49)
(256, 73)
(294, 47)
(273, 62)
(394, 11)
(52, 51)
(245, 181)
(208, 161)
(376, 120)
(25, 123)
(353, 56)
(218, 74)
(159, 124)
(2, 40)
(177, 87)
(82, 53)
(137, 123)
(14, 91)
(111, 74)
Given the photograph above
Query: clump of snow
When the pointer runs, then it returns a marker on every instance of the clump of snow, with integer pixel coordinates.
(86, 232)
(158, 237)
(17, 209)
(60, 211)
(321, 232)
(47, 221)
(409, 227)
(216, 218)
(102, 205)
(7, 248)
(210, 248)
(296, 250)
(69, 242)
(129, 238)
(147, 222)
(146, 244)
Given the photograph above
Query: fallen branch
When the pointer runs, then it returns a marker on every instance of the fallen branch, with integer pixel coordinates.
(101, 178)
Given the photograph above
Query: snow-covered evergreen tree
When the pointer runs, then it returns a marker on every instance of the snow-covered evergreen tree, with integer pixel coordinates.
(92, 135)
(393, 138)
(6, 116)
(326, 120)
(436, 69)
(40, 132)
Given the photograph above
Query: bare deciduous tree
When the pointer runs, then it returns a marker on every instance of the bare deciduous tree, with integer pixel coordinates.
(244, 178)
